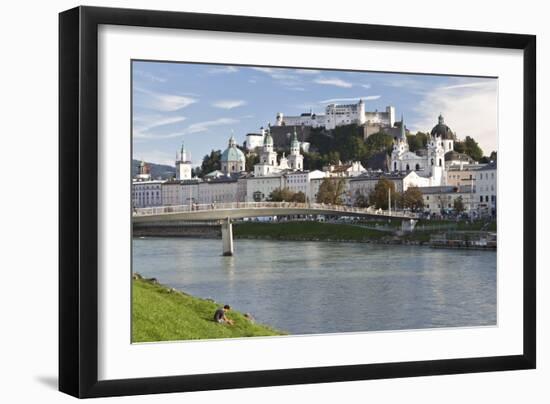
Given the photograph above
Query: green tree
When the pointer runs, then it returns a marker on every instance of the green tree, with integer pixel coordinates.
(299, 197)
(458, 205)
(211, 162)
(412, 199)
(378, 142)
(331, 191)
(488, 159)
(379, 195)
(250, 161)
(281, 195)
(470, 147)
(418, 141)
(332, 158)
(361, 200)
(313, 161)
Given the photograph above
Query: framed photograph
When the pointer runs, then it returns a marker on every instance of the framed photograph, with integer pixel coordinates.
(251, 202)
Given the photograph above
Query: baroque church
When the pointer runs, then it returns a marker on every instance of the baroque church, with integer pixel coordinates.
(268, 164)
(430, 162)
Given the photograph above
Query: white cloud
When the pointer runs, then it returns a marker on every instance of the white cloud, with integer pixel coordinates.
(356, 99)
(223, 70)
(334, 81)
(285, 77)
(155, 156)
(162, 101)
(367, 86)
(470, 109)
(191, 129)
(307, 71)
(228, 104)
(267, 70)
(150, 76)
(465, 85)
(143, 123)
(204, 126)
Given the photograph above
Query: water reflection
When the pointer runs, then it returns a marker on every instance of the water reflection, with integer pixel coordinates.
(319, 287)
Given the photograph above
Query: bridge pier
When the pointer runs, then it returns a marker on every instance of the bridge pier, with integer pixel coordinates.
(227, 237)
(408, 225)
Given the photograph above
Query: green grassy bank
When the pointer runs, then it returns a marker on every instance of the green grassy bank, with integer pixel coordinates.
(164, 314)
(305, 231)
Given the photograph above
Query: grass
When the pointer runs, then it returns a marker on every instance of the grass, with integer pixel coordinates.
(463, 225)
(305, 231)
(163, 314)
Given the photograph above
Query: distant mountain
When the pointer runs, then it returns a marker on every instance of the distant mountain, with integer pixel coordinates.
(157, 170)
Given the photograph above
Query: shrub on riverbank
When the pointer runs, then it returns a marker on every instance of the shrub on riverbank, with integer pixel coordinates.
(305, 231)
(164, 314)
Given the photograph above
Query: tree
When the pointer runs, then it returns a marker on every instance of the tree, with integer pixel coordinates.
(412, 199)
(299, 197)
(211, 162)
(458, 205)
(488, 159)
(333, 157)
(196, 172)
(251, 160)
(331, 191)
(281, 195)
(470, 147)
(313, 161)
(378, 142)
(418, 141)
(379, 195)
(361, 200)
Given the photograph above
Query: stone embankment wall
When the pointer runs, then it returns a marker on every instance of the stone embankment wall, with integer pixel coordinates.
(175, 229)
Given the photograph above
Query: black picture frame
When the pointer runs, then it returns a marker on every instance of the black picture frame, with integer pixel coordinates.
(78, 201)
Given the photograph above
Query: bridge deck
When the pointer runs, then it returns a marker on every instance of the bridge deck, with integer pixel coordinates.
(240, 210)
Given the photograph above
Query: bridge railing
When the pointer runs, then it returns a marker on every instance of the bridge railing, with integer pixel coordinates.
(161, 210)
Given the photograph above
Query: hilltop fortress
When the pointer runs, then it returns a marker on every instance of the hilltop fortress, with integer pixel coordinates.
(335, 115)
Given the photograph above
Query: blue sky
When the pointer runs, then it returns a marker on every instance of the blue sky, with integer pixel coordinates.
(203, 104)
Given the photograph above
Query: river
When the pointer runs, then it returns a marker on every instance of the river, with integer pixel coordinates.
(328, 287)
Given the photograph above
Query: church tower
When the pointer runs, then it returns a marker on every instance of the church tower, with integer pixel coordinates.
(268, 156)
(295, 159)
(436, 157)
(400, 147)
(183, 165)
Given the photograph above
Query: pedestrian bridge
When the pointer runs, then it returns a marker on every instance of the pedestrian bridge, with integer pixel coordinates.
(225, 212)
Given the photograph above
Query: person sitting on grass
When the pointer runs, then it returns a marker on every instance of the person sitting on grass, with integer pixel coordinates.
(220, 317)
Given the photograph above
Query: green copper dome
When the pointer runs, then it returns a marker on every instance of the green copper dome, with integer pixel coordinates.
(232, 153)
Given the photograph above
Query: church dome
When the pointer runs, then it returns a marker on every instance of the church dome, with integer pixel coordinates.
(455, 156)
(232, 153)
(442, 130)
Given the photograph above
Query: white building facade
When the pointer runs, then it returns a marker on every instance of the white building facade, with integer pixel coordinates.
(441, 199)
(486, 190)
(429, 163)
(146, 193)
(338, 115)
(258, 189)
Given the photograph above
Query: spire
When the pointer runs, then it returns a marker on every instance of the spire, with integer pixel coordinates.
(232, 141)
(440, 119)
(403, 136)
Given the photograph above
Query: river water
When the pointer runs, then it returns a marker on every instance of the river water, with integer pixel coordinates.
(327, 287)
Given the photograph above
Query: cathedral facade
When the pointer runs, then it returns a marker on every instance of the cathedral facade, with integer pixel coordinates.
(269, 164)
(429, 162)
